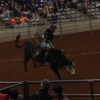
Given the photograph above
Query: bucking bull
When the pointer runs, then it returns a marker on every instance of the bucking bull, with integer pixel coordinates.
(55, 58)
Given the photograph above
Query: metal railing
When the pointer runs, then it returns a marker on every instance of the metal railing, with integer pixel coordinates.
(90, 81)
(26, 92)
(15, 84)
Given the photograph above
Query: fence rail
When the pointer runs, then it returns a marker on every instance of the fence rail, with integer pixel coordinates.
(16, 84)
(25, 85)
(90, 81)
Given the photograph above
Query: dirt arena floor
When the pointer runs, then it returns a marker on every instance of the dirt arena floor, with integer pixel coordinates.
(84, 48)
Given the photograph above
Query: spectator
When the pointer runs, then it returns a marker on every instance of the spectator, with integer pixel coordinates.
(51, 8)
(24, 9)
(2, 3)
(45, 11)
(32, 7)
(58, 93)
(16, 12)
(50, 2)
(29, 15)
(28, 7)
(12, 20)
(40, 3)
(42, 94)
(54, 18)
(6, 6)
(78, 5)
(36, 10)
(8, 14)
(61, 4)
(23, 2)
(55, 6)
(28, 2)
(36, 1)
(1, 10)
(23, 18)
(85, 6)
(68, 5)
(4, 12)
(11, 7)
(13, 94)
(98, 4)
(9, 3)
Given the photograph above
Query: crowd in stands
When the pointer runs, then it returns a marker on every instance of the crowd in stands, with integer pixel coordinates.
(84, 5)
(30, 9)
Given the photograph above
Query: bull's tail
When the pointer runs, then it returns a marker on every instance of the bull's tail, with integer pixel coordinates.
(16, 41)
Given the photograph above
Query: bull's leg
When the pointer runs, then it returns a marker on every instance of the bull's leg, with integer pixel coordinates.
(34, 63)
(27, 56)
(55, 69)
(25, 63)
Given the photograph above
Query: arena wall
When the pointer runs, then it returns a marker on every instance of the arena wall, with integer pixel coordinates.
(62, 28)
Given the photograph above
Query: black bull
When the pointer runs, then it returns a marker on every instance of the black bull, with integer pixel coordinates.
(54, 57)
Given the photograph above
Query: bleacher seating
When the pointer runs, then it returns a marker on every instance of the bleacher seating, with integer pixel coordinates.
(65, 15)
(93, 11)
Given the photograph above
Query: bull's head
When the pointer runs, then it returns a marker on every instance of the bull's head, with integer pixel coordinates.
(66, 64)
(71, 67)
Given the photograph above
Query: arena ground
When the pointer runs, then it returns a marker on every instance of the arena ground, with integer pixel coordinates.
(83, 47)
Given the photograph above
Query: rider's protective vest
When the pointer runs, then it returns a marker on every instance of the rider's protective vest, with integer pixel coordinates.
(48, 35)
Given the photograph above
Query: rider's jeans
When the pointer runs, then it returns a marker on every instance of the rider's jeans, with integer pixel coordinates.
(48, 45)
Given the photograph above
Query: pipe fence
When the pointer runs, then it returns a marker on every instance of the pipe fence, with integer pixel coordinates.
(90, 81)
(26, 92)
(15, 84)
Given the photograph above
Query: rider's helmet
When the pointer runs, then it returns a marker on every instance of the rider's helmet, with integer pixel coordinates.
(53, 27)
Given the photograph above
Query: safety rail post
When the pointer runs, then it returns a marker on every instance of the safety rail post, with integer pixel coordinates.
(90, 22)
(13, 32)
(91, 89)
(27, 89)
(16, 84)
(90, 81)
(29, 29)
(24, 90)
(61, 25)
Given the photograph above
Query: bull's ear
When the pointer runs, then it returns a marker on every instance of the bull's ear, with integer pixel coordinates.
(63, 51)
